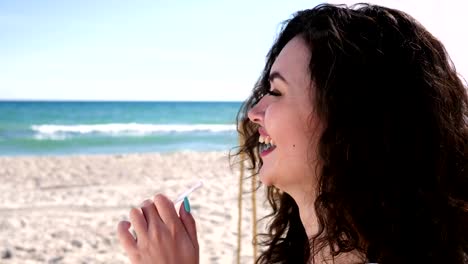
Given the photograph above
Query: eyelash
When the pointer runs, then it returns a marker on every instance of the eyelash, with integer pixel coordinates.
(273, 93)
(268, 92)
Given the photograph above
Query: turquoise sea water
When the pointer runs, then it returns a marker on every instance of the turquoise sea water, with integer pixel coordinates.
(57, 128)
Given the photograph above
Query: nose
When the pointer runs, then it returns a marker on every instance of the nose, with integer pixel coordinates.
(257, 112)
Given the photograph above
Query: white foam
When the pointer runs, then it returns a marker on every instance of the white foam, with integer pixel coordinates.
(50, 137)
(129, 128)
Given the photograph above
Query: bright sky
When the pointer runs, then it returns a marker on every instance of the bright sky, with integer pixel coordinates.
(159, 50)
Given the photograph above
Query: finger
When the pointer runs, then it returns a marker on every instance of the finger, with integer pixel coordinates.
(189, 223)
(166, 210)
(138, 222)
(126, 239)
(151, 214)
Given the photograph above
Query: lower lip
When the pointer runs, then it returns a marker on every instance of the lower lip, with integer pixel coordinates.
(266, 152)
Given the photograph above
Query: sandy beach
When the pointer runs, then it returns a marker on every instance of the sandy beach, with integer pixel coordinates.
(65, 209)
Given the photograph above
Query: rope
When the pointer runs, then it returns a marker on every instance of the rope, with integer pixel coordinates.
(254, 210)
(254, 218)
(239, 205)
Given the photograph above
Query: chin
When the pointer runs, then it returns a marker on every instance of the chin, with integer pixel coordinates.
(266, 178)
(266, 183)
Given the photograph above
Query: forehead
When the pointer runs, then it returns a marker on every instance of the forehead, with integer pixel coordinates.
(293, 62)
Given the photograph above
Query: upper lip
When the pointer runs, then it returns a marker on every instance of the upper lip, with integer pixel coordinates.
(262, 132)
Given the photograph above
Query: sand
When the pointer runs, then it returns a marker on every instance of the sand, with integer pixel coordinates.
(65, 209)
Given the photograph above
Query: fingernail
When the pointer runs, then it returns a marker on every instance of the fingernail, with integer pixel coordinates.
(146, 203)
(186, 205)
(126, 224)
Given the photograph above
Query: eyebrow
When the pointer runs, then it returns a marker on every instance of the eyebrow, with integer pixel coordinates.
(276, 75)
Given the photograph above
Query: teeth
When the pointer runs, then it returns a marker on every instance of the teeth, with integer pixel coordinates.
(266, 140)
(261, 139)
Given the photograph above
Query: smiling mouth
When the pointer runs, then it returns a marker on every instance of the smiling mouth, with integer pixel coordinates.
(266, 145)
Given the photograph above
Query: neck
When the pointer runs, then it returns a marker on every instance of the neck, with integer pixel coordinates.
(305, 203)
(308, 217)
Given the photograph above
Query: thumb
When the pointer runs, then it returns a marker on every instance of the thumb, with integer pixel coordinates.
(188, 221)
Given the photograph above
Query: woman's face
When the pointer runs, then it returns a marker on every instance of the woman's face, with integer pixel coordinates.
(287, 118)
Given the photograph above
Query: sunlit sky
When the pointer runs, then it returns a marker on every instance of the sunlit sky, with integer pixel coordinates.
(161, 50)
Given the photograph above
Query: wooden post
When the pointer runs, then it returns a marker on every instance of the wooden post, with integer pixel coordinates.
(254, 209)
(254, 218)
(239, 204)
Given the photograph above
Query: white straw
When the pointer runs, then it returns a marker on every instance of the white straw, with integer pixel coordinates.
(189, 191)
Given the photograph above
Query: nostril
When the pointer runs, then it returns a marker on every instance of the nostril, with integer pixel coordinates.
(253, 115)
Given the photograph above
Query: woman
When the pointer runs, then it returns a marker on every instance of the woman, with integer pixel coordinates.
(358, 125)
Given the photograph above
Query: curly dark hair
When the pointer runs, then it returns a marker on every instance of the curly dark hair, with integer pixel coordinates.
(393, 181)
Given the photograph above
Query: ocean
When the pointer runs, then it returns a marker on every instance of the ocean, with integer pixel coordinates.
(62, 128)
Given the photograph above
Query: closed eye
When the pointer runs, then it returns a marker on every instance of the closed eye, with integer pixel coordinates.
(274, 92)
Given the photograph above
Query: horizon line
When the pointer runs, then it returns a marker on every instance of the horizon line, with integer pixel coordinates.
(115, 101)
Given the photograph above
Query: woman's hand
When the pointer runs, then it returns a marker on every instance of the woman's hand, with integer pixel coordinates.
(161, 235)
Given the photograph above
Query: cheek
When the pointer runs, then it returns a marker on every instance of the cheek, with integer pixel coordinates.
(290, 134)
(295, 137)
(295, 146)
